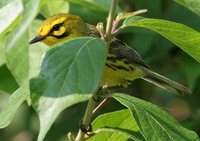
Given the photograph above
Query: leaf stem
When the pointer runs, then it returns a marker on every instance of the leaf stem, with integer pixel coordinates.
(110, 20)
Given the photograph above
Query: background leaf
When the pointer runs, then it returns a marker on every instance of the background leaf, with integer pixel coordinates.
(75, 76)
(7, 16)
(119, 125)
(50, 7)
(154, 123)
(5, 2)
(184, 37)
(193, 5)
(17, 54)
(8, 83)
(8, 21)
(15, 101)
(2, 55)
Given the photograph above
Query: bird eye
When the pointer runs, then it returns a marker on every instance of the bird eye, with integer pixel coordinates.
(56, 27)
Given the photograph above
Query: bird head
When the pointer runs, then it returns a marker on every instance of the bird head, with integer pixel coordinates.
(60, 27)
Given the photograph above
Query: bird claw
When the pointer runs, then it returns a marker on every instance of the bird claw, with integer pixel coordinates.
(85, 129)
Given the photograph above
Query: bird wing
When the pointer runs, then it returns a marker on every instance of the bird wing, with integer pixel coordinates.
(119, 48)
(123, 50)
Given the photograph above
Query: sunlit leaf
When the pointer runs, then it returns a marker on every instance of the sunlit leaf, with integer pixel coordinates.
(153, 122)
(184, 37)
(70, 72)
(8, 22)
(17, 52)
(5, 2)
(7, 16)
(119, 125)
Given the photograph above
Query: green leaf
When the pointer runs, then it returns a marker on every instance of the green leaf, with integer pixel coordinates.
(9, 21)
(70, 72)
(120, 135)
(17, 59)
(17, 52)
(154, 123)
(50, 7)
(119, 125)
(193, 5)
(4, 39)
(2, 54)
(184, 37)
(3, 3)
(7, 16)
(15, 101)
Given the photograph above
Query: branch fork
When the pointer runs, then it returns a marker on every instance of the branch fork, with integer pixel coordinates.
(114, 30)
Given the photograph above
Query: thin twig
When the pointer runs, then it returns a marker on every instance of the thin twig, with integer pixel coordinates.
(110, 21)
(122, 16)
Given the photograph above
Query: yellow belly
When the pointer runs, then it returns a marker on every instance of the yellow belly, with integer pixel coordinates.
(117, 72)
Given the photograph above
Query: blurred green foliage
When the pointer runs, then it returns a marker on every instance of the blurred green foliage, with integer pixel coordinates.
(160, 54)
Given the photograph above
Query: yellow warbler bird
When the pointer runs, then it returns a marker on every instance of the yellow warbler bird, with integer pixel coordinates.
(122, 64)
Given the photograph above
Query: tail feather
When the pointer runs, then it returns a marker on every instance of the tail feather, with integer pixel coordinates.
(165, 83)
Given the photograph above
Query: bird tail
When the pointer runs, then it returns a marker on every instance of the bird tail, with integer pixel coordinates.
(165, 83)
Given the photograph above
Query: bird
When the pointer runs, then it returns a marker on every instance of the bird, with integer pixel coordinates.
(123, 63)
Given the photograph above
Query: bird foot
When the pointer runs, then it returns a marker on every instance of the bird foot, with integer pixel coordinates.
(85, 129)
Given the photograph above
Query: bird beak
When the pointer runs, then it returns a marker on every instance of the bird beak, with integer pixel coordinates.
(36, 39)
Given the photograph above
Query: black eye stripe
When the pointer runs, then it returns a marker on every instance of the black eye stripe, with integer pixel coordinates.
(56, 27)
